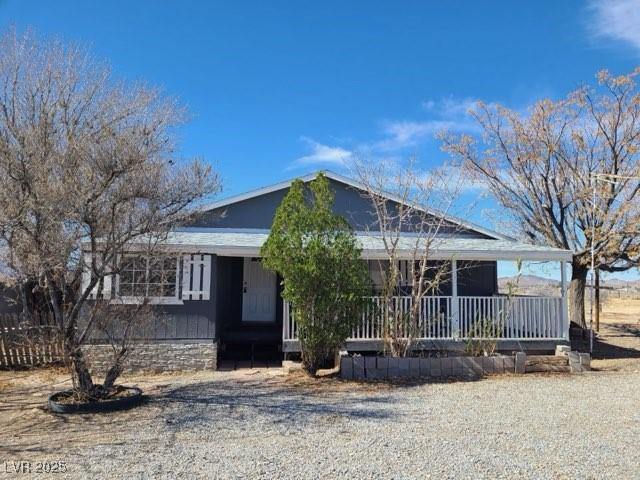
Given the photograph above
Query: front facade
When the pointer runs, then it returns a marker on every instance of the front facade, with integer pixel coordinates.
(210, 286)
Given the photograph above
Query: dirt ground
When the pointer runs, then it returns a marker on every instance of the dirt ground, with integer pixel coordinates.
(24, 418)
(617, 345)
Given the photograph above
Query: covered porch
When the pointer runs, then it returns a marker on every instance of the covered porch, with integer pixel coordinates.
(447, 322)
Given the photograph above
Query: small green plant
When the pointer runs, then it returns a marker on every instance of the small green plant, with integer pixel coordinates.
(482, 338)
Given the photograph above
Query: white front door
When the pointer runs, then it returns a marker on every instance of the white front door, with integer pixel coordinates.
(259, 292)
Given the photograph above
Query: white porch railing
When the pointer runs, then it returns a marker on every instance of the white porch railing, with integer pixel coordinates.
(508, 318)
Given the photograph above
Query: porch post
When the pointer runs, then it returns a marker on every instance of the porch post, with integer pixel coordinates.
(455, 313)
(564, 316)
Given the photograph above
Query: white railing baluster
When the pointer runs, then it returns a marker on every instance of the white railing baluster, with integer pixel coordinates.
(519, 318)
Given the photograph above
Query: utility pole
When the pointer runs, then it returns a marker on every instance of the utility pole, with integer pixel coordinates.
(597, 305)
(594, 180)
(595, 276)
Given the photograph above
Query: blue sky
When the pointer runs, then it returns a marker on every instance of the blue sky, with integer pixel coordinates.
(276, 89)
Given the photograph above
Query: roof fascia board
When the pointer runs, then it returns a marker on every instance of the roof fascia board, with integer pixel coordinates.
(381, 254)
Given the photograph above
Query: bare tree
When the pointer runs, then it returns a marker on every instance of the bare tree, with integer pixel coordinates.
(87, 168)
(540, 167)
(410, 226)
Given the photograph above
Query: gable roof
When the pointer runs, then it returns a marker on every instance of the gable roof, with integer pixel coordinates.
(357, 185)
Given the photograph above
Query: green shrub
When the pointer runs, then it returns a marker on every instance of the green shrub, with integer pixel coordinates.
(316, 253)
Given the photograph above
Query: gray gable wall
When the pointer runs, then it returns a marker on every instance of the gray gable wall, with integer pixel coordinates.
(258, 212)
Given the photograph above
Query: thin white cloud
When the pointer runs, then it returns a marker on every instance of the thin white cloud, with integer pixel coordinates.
(404, 133)
(456, 108)
(428, 104)
(323, 154)
(447, 113)
(396, 136)
(616, 20)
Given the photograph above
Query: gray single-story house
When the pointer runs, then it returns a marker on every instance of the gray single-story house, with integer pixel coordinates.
(214, 298)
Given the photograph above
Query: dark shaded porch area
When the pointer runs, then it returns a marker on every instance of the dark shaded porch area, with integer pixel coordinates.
(244, 339)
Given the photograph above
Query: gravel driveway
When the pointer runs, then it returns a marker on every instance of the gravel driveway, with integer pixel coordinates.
(259, 425)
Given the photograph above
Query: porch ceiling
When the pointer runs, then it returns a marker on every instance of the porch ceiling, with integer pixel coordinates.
(248, 243)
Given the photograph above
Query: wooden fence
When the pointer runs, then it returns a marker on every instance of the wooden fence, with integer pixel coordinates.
(28, 344)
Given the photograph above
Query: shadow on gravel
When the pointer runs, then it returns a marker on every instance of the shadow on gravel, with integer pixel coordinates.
(604, 345)
(221, 401)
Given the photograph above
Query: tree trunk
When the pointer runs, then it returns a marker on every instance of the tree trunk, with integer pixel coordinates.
(115, 370)
(82, 382)
(576, 293)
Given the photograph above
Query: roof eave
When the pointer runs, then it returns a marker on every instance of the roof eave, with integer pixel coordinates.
(381, 254)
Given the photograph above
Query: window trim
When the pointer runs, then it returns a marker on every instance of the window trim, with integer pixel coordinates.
(169, 300)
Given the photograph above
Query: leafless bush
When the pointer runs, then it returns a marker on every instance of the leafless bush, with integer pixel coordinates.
(411, 213)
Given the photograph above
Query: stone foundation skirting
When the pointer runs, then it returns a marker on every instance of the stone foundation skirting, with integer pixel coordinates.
(157, 357)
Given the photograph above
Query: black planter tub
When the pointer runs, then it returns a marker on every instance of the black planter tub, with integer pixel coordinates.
(134, 398)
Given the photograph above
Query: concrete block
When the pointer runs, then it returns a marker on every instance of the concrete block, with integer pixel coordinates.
(425, 367)
(435, 364)
(476, 365)
(520, 363)
(370, 363)
(579, 362)
(394, 367)
(576, 368)
(498, 364)
(488, 365)
(376, 374)
(404, 365)
(447, 366)
(585, 361)
(574, 362)
(458, 365)
(467, 367)
(382, 363)
(358, 368)
(563, 350)
(509, 364)
(346, 368)
(414, 367)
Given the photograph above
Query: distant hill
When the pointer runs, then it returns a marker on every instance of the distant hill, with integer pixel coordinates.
(528, 280)
(533, 284)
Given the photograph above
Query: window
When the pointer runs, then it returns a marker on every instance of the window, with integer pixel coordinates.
(142, 276)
